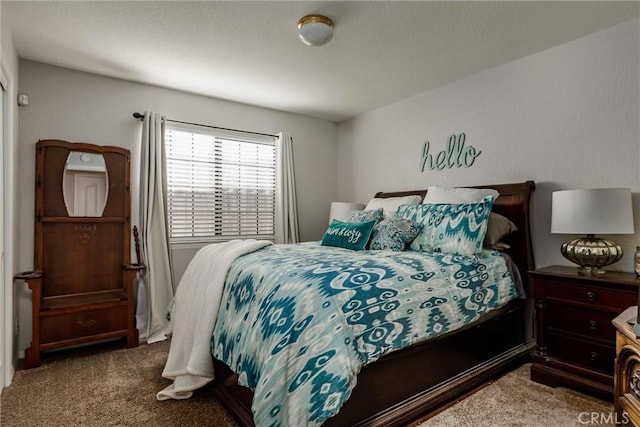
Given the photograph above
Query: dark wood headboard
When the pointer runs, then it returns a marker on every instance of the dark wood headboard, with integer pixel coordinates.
(513, 203)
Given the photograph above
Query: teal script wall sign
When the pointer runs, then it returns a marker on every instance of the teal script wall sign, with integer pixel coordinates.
(456, 154)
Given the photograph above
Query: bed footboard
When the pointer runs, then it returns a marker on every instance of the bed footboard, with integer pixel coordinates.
(411, 382)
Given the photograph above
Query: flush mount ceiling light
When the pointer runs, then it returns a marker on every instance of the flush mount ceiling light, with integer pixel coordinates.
(315, 30)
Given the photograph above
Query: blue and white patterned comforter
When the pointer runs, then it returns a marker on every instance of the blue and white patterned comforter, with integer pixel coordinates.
(297, 322)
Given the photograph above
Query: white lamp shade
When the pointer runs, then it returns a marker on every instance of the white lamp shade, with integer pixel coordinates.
(592, 211)
(342, 210)
(315, 30)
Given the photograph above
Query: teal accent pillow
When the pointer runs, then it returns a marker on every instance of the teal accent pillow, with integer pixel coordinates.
(348, 235)
(394, 233)
(366, 215)
(450, 228)
(417, 213)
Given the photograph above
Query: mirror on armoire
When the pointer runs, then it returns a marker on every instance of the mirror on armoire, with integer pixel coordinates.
(85, 184)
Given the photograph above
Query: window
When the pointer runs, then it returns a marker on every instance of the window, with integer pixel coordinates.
(221, 184)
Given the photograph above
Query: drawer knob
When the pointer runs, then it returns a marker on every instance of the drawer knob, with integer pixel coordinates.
(593, 356)
(594, 325)
(592, 296)
(86, 323)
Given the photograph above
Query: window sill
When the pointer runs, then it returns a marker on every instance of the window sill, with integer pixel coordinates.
(202, 243)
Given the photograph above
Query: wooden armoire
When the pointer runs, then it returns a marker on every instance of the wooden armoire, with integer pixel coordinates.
(83, 281)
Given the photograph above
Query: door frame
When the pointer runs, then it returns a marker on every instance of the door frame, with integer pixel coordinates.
(7, 336)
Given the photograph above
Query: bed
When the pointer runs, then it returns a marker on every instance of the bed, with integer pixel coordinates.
(404, 384)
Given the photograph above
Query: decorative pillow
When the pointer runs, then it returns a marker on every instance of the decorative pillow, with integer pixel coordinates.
(366, 215)
(498, 228)
(436, 195)
(348, 235)
(391, 204)
(417, 213)
(499, 246)
(394, 233)
(450, 228)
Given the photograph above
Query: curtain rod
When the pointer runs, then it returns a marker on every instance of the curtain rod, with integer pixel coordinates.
(141, 117)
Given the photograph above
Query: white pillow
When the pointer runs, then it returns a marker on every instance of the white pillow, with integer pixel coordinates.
(391, 204)
(457, 195)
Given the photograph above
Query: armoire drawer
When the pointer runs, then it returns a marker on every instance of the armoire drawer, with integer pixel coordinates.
(60, 327)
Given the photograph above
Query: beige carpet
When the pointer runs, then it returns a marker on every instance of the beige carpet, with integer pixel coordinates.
(515, 401)
(111, 386)
(108, 386)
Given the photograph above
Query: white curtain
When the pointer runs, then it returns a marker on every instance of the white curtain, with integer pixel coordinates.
(286, 209)
(155, 286)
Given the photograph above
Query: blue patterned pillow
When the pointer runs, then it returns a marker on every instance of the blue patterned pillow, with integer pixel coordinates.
(348, 235)
(417, 213)
(450, 228)
(394, 233)
(366, 215)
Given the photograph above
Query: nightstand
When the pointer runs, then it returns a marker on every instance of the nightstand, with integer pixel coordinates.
(627, 372)
(575, 339)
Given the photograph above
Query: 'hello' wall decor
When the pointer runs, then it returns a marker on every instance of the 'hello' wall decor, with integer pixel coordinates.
(455, 155)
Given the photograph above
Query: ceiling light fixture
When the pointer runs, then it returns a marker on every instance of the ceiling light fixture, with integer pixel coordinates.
(315, 30)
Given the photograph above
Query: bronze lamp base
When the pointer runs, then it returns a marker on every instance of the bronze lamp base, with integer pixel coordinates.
(591, 253)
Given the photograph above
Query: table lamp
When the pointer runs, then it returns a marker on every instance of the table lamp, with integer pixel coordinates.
(591, 212)
(342, 210)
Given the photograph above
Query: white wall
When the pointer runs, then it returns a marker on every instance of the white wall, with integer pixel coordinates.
(566, 117)
(9, 63)
(77, 106)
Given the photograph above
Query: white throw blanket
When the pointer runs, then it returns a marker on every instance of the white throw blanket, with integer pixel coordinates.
(194, 313)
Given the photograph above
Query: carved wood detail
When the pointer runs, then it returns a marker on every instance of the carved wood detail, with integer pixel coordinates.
(85, 231)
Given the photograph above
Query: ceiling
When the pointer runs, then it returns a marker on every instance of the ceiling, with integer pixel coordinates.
(248, 52)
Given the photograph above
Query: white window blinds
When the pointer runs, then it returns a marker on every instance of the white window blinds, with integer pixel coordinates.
(221, 184)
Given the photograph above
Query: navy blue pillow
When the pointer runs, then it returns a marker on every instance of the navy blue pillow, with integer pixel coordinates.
(348, 235)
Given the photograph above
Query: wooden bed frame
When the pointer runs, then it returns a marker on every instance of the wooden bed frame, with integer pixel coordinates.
(406, 384)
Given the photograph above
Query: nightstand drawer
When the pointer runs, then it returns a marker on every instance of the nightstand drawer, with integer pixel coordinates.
(581, 352)
(591, 296)
(583, 321)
